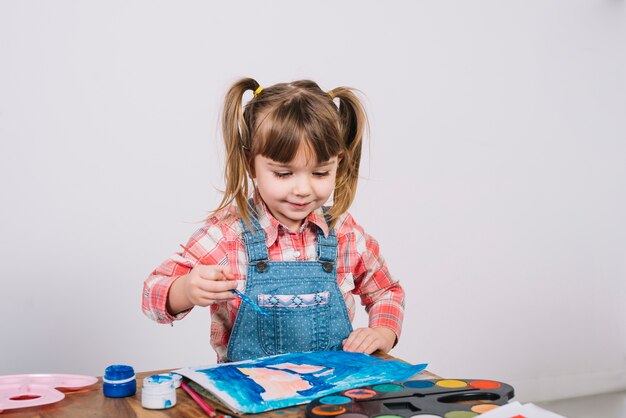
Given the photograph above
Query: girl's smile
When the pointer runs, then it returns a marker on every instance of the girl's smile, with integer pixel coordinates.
(300, 206)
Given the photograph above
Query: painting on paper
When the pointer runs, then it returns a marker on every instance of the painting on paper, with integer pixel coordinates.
(284, 380)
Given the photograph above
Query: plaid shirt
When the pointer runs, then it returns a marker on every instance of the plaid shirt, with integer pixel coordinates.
(361, 269)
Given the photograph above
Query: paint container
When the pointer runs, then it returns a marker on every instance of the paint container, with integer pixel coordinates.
(158, 391)
(119, 381)
(433, 398)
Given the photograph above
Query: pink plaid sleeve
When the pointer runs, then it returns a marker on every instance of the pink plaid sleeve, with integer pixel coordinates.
(380, 293)
(207, 244)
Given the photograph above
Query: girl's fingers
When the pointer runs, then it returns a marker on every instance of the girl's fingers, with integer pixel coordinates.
(227, 272)
(217, 285)
(353, 340)
(362, 340)
(210, 297)
(217, 273)
(362, 344)
(209, 284)
(372, 345)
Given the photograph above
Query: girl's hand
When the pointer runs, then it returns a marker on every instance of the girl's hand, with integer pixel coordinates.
(202, 286)
(368, 340)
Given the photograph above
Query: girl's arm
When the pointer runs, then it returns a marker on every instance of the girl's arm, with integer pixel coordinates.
(380, 293)
(156, 289)
(174, 287)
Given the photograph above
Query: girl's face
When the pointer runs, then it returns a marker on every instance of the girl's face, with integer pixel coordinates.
(293, 190)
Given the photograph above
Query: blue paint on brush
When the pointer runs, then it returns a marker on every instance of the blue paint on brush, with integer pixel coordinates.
(249, 302)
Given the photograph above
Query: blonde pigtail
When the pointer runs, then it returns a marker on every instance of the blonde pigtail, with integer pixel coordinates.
(352, 126)
(238, 145)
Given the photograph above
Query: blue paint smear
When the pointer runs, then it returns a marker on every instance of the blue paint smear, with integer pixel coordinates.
(230, 379)
(341, 370)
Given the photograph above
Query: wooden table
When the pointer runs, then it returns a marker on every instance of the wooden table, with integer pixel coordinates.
(91, 402)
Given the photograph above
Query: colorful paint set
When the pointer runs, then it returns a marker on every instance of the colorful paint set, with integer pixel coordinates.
(438, 398)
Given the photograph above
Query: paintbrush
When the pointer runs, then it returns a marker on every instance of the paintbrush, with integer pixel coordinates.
(243, 297)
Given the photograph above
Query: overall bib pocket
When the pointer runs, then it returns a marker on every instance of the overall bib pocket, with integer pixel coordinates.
(296, 322)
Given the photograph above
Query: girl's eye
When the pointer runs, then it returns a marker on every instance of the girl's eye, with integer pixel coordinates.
(321, 173)
(282, 174)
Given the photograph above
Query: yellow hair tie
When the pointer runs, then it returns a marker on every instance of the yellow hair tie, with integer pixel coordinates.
(258, 91)
(331, 94)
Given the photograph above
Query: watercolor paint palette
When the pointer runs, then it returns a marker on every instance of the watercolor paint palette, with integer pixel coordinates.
(437, 398)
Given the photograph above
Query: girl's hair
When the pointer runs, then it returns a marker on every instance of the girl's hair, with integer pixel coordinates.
(277, 121)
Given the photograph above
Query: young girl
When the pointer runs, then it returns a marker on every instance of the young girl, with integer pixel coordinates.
(289, 150)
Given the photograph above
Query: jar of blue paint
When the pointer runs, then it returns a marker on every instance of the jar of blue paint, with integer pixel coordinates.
(119, 381)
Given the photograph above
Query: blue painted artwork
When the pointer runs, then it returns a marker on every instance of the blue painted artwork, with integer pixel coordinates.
(259, 385)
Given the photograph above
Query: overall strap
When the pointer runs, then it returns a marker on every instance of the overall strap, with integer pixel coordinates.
(327, 246)
(255, 238)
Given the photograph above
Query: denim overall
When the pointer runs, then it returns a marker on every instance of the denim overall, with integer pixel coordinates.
(306, 309)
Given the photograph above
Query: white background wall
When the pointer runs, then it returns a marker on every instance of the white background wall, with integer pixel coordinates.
(495, 179)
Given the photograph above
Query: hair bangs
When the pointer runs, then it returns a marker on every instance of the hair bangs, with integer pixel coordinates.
(298, 125)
